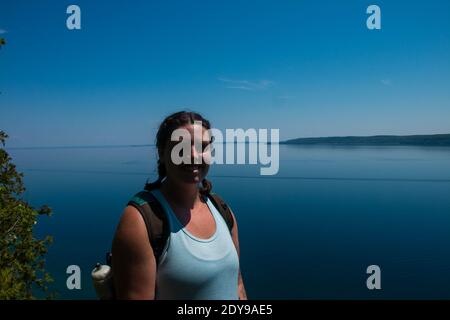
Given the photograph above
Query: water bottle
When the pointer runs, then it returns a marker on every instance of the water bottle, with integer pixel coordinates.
(103, 281)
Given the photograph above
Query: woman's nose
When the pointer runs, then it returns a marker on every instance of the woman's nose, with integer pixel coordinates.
(195, 155)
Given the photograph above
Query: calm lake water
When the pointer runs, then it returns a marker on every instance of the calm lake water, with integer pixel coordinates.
(307, 233)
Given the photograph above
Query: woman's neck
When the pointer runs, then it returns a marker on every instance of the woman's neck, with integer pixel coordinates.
(181, 194)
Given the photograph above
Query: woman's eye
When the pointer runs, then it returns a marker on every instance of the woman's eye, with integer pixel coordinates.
(202, 148)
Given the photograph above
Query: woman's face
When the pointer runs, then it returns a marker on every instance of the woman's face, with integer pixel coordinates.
(194, 171)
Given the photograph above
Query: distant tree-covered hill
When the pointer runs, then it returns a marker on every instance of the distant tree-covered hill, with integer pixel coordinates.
(382, 140)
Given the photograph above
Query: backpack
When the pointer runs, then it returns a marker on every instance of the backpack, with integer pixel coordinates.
(158, 232)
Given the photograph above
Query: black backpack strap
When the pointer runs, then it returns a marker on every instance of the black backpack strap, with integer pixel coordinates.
(223, 208)
(155, 220)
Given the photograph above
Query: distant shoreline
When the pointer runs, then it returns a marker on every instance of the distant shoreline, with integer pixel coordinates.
(435, 140)
(378, 140)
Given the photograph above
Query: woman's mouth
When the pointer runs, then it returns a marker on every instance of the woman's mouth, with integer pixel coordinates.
(192, 168)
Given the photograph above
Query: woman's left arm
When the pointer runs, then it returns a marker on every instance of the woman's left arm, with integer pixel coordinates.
(234, 234)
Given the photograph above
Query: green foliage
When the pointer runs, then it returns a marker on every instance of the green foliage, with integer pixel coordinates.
(21, 255)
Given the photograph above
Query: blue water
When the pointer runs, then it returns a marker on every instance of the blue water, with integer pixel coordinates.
(307, 233)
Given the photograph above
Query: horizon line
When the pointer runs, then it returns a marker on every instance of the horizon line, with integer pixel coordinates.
(224, 142)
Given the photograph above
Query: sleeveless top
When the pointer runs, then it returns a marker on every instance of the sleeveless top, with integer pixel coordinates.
(194, 268)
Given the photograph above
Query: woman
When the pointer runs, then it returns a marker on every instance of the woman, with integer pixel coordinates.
(201, 259)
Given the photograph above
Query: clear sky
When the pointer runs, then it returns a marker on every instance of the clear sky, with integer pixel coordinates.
(309, 68)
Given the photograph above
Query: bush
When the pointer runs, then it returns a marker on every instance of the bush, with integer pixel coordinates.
(21, 255)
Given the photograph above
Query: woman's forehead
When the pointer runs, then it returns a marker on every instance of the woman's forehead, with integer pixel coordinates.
(197, 129)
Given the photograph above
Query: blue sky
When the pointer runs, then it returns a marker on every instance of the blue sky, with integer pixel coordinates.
(309, 68)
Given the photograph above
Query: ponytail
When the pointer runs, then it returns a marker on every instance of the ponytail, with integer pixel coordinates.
(206, 188)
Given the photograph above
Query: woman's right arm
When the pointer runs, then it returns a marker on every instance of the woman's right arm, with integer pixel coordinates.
(134, 265)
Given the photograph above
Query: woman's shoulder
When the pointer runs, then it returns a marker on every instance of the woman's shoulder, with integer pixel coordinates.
(131, 226)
